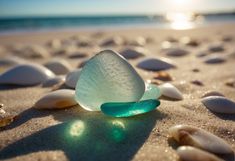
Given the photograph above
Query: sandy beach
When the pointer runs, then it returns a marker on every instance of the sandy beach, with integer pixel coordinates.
(45, 134)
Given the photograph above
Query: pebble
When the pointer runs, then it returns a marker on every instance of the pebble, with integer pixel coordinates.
(11, 61)
(26, 75)
(212, 93)
(170, 91)
(188, 153)
(189, 41)
(58, 99)
(214, 59)
(72, 78)
(155, 64)
(197, 82)
(230, 82)
(77, 55)
(53, 81)
(133, 53)
(128, 109)
(216, 47)
(108, 77)
(219, 104)
(58, 66)
(175, 52)
(163, 76)
(114, 41)
(189, 135)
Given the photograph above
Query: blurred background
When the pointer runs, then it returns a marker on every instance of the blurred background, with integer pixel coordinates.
(34, 15)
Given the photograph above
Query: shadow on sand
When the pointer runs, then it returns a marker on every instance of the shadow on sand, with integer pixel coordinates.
(87, 136)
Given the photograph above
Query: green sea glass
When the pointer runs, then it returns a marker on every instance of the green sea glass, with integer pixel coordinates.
(151, 92)
(127, 109)
(108, 77)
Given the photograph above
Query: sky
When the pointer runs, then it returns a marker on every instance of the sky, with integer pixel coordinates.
(13, 8)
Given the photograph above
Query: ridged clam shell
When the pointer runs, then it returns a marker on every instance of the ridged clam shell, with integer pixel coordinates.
(108, 77)
(59, 99)
(72, 78)
(53, 81)
(176, 52)
(189, 135)
(26, 74)
(188, 153)
(170, 91)
(214, 59)
(155, 64)
(58, 66)
(219, 104)
(133, 53)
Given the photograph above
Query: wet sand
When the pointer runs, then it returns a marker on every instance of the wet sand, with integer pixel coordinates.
(49, 135)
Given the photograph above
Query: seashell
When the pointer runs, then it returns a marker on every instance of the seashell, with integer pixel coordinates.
(174, 51)
(108, 77)
(188, 41)
(72, 78)
(11, 61)
(156, 64)
(170, 91)
(188, 153)
(34, 51)
(26, 74)
(189, 135)
(230, 82)
(197, 82)
(212, 93)
(214, 59)
(112, 41)
(133, 53)
(53, 81)
(217, 47)
(59, 99)
(58, 66)
(219, 104)
(163, 76)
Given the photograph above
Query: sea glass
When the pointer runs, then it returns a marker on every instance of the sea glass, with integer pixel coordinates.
(127, 109)
(151, 92)
(108, 77)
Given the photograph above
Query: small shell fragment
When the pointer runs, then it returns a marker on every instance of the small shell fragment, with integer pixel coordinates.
(219, 104)
(189, 135)
(58, 99)
(188, 153)
(163, 76)
(170, 91)
(7, 120)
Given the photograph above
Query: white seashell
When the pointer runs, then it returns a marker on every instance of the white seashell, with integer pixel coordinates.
(26, 74)
(11, 61)
(188, 153)
(72, 78)
(214, 59)
(155, 64)
(53, 81)
(59, 66)
(59, 99)
(174, 51)
(219, 104)
(217, 47)
(170, 91)
(212, 93)
(133, 53)
(108, 77)
(189, 135)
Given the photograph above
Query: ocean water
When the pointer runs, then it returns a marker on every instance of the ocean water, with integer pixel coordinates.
(8, 25)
